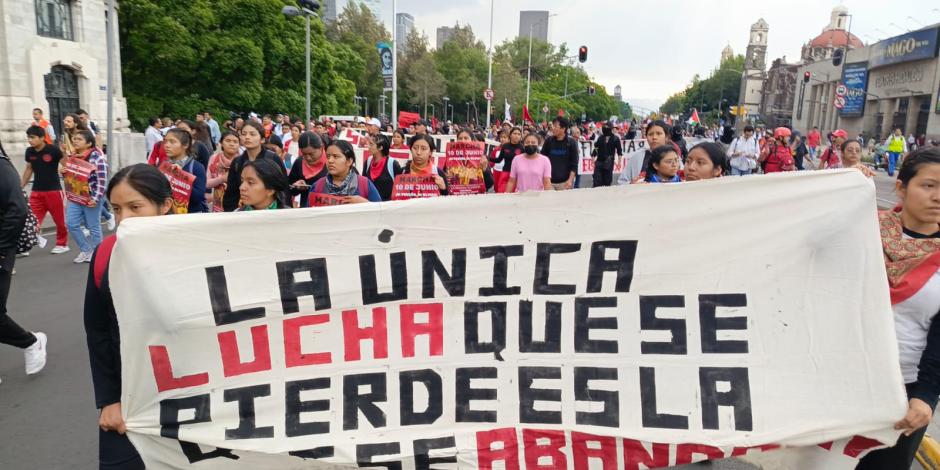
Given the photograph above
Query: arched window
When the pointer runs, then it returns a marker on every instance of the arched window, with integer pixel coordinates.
(54, 19)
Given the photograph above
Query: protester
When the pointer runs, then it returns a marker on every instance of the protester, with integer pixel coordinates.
(706, 161)
(897, 146)
(656, 135)
(607, 148)
(422, 162)
(532, 171)
(488, 180)
(264, 186)
(44, 162)
(42, 123)
(744, 152)
(75, 214)
(90, 125)
(135, 191)
(852, 157)
(291, 141)
(200, 149)
(663, 166)
(398, 141)
(799, 151)
(776, 155)
(812, 141)
(562, 151)
(910, 236)
(310, 168)
(832, 157)
(343, 179)
(71, 124)
(421, 127)
(217, 173)
(153, 134)
(252, 140)
(179, 149)
(214, 130)
(508, 152)
(381, 169)
(12, 220)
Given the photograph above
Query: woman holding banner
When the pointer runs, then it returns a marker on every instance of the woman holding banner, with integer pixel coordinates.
(252, 139)
(264, 187)
(381, 169)
(910, 236)
(706, 161)
(488, 181)
(343, 185)
(422, 162)
(179, 146)
(136, 191)
(311, 168)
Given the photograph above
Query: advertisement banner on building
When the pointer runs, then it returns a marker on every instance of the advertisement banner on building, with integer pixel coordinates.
(855, 79)
(916, 45)
(386, 58)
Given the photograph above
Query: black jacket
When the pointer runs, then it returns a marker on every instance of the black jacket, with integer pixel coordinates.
(506, 154)
(103, 337)
(385, 181)
(297, 174)
(232, 192)
(563, 154)
(14, 209)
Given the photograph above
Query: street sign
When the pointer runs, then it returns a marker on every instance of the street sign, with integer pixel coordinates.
(545, 108)
(839, 102)
(841, 90)
(489, 94)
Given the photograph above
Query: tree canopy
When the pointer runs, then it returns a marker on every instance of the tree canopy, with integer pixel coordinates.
(720, 90)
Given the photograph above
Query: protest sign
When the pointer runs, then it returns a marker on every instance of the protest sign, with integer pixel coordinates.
(414, 186)
(75, 179)
(586, 166)
(463, 168)
(323, 200)
(565, 329)
(181, 185)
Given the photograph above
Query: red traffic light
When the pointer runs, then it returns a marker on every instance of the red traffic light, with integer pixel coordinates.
(806, 77)
(582, 54)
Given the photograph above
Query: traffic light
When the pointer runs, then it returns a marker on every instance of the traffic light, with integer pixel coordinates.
(582, 54)
(591, 90)
(837, 56)
(312, 5)
(806, 77)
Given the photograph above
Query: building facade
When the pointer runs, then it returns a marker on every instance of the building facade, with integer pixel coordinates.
(328, 11)
(404, 24)
(537, 22)
(53, 56)
(444, 33)
(778, 93)
(753, 75)
(890, 84)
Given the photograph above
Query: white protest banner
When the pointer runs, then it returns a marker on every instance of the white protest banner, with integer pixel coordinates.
(621, 325)
(586, 166)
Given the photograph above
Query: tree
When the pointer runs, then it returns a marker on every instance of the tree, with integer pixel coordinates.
(425, 83)
(720, 90)
(463, 64)
(358, 29)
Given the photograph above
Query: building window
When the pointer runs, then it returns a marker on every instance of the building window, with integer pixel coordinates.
(54, 19)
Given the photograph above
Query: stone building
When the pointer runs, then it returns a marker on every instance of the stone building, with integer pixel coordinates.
(53, 56)
(753, 75)
(834, 36)
(777, 94)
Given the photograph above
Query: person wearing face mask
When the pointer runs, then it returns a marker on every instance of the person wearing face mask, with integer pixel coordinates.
(532, 171)
(657, 134)
(606, 149)
(310, 167)
(178, 144)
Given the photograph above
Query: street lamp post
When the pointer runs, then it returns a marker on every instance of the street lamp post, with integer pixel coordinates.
(489, 75)
(307, 10)
(366, 112)
(446, 101)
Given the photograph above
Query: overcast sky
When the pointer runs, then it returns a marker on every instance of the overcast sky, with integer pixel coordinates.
(654, 52)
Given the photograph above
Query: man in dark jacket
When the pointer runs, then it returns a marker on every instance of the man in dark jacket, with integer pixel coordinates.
(12, 219)
(606, 148)
(562, 152)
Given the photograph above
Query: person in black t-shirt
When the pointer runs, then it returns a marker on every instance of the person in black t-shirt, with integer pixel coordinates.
(44, 162)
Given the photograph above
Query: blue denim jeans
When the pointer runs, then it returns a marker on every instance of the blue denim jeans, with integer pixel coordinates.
(737, 172)
(77, 215)
(892, 162)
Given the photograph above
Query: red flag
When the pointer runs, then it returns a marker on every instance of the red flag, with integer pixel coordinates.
(434, 122)
(498, 123)
(695, 120)
(405, 119)
(525, 114)
(561, 112)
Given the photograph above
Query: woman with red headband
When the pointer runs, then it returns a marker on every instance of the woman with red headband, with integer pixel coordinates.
(910, 236)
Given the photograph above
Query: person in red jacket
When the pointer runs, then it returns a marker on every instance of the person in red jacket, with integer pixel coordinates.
(777, 155)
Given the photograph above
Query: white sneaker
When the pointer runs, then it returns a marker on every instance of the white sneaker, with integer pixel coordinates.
(36, 355)
(60, 249)
(86, 232)
(88, 257)
(22, 255)
(112, 222)
(81, 258)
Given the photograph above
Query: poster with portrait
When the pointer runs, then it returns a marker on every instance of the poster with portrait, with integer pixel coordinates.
(386, 61)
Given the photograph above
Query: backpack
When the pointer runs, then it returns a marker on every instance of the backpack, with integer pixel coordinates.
(29, 237)
(389, 165)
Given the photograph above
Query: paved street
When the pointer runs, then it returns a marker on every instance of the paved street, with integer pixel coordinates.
(48, 421)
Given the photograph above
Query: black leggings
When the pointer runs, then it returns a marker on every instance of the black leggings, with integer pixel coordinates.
(901, 456)
(11, 332)
(115, 452)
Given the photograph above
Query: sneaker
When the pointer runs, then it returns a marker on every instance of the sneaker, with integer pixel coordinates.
(112, 222)
(60, 249)
(81, 258)
(88, 257)
(22, 255)
(36, 355)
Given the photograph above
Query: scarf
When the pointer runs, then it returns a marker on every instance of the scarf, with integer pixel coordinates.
(910, 262)
(309, 170)
(349, 187)
(656, 179)
(419, 171)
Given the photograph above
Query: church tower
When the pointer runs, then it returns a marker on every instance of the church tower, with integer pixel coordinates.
(726, 53)
(755, 64)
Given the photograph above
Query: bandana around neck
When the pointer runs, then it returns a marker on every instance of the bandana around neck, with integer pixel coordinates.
(909, 262)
